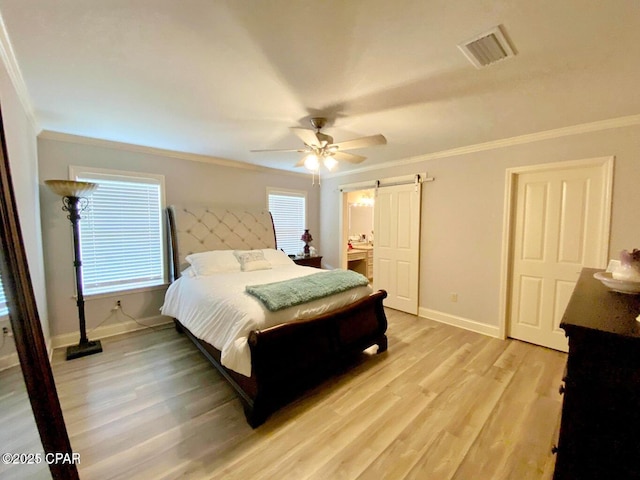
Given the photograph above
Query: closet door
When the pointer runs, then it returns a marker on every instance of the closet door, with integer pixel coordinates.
(559, 228)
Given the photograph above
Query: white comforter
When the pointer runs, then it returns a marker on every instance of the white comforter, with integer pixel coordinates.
(217, 309)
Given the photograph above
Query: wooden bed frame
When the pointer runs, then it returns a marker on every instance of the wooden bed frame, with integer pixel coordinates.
(285, 359)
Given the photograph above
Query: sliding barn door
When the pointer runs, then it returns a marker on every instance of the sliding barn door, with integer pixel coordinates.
(396, 253)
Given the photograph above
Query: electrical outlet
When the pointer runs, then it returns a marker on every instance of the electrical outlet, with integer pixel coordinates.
(117, 306)
(453, 297)
(6, 332)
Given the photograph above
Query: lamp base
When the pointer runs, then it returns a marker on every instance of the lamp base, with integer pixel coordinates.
(84, 349)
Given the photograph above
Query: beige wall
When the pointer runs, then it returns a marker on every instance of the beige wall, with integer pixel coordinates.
(462, 215)
(185, 182)
(22, 150)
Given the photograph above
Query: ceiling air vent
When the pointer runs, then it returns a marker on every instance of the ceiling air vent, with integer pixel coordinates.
(487, 48)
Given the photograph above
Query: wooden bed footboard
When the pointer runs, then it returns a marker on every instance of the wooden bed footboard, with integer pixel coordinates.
(289, 358)
(324, 339)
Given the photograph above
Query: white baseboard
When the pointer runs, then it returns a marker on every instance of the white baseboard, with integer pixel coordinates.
(72, 338)
(12, 360)
(9, 361)
(49, 347)
(467, 324)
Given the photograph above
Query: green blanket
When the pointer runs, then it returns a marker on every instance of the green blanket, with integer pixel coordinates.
(287, 293)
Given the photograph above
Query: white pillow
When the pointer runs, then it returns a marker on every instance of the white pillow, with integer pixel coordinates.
(276, 258)
(188, 272)
(215, 261)
(251, 260)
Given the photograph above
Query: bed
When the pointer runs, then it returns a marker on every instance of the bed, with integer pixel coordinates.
(282, 353)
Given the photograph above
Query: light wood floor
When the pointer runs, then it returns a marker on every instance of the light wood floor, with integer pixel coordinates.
(18, 431)
(442, 403)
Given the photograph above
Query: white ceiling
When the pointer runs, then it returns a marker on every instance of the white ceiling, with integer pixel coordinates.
(219, 78)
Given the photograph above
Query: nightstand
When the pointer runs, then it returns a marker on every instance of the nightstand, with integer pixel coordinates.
(308, 261)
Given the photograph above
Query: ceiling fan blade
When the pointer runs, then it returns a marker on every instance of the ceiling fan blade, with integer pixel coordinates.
(362, 142)
(281, 150)
(307, 136)
(300, 162)
(348, 157)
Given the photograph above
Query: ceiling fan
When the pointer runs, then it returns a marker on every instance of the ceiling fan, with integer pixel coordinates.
(320, 149)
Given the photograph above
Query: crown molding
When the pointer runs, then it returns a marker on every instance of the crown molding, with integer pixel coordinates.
(13, 69)
(192, 157)
(619, 122)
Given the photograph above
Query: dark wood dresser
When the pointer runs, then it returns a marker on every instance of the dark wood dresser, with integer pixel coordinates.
(308, 261)
(600, 427)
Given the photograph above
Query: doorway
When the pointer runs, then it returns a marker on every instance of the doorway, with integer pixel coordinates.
(393, 259)
(359, 231)
(557, 222)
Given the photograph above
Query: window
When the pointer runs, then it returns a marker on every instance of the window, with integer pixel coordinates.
(121, 231)
(288, 209)
(3, 302)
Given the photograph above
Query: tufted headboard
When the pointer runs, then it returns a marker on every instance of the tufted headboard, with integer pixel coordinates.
(197, 228)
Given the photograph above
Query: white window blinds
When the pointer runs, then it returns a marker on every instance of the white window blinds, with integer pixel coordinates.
(288, 210)
(3, 302)
(121, 236)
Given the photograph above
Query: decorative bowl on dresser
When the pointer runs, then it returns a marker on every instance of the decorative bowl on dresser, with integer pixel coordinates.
(308, 261)
(600, 425)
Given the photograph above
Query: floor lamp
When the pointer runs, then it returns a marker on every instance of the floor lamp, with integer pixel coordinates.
(73, 199)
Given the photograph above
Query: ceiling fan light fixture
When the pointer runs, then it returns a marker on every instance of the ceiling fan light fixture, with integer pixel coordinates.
(320, 150)
(311, 162)
(329, 162)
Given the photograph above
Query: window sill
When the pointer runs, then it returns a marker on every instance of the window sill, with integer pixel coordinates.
(120, 293)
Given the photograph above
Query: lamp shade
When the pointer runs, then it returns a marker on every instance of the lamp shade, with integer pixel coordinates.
(70, 188)
(306, 237)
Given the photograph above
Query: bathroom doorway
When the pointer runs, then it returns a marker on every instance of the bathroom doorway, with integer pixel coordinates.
(358, 231)
(390, 253)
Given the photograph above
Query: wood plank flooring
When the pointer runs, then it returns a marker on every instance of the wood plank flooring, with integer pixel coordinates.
(442, 403)
(18, 431)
